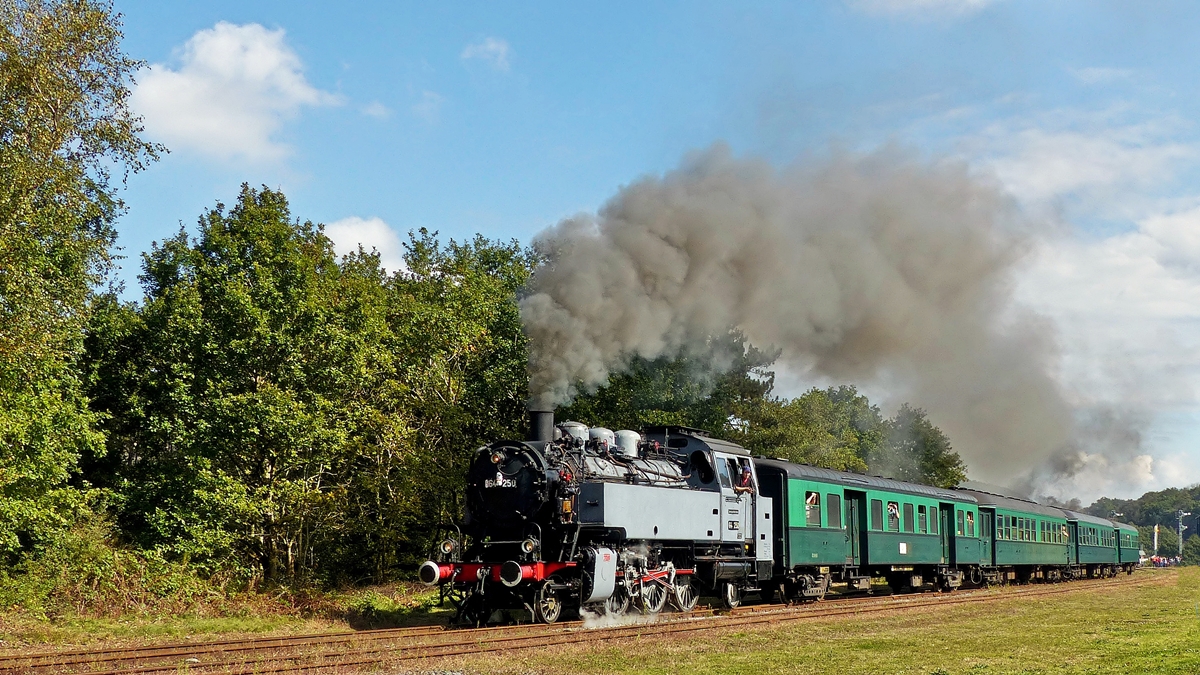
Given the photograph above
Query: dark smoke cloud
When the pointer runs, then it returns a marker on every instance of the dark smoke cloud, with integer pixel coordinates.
(880, 269)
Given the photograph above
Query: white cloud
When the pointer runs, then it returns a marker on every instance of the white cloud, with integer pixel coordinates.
(348, 234)
(1048, 164)
(233, 90)
(1127, 312)
(1127, 308)
(915, 7)
(1097, 75)
(1101, 159)
(377, 110)
(492, 51)
(429, 107)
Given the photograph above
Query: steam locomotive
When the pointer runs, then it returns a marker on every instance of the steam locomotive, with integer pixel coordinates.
(587, 518)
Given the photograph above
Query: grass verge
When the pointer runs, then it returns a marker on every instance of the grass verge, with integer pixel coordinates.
(1124, 629)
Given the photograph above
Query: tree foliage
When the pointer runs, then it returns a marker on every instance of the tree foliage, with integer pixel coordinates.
(276, 410)
(728, 392)
(65, 126)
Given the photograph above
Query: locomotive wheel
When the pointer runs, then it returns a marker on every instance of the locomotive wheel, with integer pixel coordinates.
(618, 602)
(731, 595)
(547, 606)
(654, 597)
(685, 596)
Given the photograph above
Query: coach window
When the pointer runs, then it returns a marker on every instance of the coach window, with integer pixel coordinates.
(909, 523)
(922, 520)
(933, 520)
(893, 517)
(970, 523)
(959, 530)
(833, 504)
(876, 514)
(812, 509)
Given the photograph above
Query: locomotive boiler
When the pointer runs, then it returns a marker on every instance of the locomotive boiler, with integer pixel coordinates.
(576, 517)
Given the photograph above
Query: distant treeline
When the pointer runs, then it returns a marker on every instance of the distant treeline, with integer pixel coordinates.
(1159, 508)
(270, 412)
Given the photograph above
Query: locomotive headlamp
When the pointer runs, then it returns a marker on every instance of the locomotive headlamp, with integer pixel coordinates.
(528, 545)
(448, 546)
(497, 457)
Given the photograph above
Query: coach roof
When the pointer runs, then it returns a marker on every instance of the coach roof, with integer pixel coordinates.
(1085, 518)
(1013, 504)
(856, 480)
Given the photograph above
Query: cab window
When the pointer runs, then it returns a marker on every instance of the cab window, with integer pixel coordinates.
(702, 468)
(723, 474)
(834, 514)
(812, 509)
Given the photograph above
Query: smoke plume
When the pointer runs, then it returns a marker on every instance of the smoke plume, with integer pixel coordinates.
(879, 269)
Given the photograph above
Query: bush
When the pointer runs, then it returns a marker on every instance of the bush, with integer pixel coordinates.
(85, 573)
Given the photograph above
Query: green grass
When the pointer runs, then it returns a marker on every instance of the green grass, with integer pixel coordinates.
(240, 614)
(1118, 629)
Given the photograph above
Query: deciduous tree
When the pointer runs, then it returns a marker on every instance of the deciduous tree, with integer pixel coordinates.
(65, 128)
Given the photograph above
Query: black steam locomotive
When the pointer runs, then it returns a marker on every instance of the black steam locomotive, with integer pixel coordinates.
(587, 517)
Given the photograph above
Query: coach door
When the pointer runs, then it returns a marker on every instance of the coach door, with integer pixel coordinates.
(986, 519)
(1073, 543)
(856, 511)
(945, 522)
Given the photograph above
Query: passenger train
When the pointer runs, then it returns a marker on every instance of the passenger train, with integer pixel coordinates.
(578, 518)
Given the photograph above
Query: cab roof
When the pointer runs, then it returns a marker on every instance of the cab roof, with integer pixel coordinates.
(686, 440)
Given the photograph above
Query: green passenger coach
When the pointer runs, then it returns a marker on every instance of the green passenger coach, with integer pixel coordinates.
(1129, 549)
(1093, 545)
(1020, 540)
(845, 527)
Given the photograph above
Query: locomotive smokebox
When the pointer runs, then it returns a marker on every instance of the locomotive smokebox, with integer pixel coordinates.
(541, 425)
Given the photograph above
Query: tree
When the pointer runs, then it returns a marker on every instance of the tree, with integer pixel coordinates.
(727, 390)
(690, 389)
(916, 450)
(832, 428)
(65, 126)
(288, 415)
(1191, 550)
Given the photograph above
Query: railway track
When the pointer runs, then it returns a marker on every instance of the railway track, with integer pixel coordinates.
(347, 650)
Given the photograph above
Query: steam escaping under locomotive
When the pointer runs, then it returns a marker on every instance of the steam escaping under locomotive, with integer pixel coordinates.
(588, 518)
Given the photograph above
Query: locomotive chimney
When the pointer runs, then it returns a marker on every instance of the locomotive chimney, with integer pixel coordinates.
(541, 425)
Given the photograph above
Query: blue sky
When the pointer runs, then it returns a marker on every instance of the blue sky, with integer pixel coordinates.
(504, 118)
